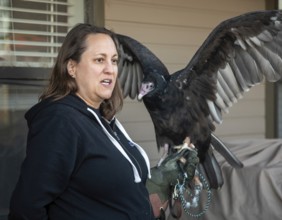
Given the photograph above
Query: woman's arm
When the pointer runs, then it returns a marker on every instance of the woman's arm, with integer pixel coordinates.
(45, 172)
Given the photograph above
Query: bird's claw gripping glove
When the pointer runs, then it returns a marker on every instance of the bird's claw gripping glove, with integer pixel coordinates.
(166, 175)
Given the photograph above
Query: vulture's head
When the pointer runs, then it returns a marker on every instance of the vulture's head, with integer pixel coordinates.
(152, 85)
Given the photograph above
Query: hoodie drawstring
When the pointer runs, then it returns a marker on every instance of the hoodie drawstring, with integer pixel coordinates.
(137, 177)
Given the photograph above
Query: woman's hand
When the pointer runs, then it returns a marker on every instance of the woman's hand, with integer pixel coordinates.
(165, 176)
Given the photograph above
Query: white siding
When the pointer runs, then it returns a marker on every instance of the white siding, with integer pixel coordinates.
(174, 30)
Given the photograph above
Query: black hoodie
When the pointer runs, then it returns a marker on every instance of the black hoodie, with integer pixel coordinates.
(73, 171)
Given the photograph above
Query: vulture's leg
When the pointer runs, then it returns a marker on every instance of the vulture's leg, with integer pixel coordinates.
(165, 153)
(196, 180)
(186, 145)
(196, 185)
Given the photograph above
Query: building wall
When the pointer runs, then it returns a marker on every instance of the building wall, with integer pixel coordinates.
(174, 30)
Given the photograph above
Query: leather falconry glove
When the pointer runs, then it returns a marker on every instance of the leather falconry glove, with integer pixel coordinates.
(165, 176)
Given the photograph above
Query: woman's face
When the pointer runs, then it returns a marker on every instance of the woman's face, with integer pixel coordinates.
(96, 73)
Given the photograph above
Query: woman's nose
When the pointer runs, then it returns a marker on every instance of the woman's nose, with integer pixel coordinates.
(110, 67)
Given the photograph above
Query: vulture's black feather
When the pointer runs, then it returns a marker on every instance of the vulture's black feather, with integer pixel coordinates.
(238, 54)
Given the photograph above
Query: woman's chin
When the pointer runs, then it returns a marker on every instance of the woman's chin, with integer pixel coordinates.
(106, 96)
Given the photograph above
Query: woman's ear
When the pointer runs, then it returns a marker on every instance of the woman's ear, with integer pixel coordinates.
(71, 67)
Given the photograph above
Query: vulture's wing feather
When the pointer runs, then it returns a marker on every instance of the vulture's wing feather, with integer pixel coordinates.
(134, 58)
(240, 53)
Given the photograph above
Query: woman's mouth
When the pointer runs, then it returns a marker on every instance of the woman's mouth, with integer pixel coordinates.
(106, 82)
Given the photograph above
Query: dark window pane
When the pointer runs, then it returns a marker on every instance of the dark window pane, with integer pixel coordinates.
(15, 100)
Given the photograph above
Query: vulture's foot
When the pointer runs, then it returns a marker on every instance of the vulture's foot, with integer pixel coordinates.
(186, 145)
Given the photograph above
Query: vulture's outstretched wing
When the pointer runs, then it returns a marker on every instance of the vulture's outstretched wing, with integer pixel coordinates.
(135, 62)
(238, 54)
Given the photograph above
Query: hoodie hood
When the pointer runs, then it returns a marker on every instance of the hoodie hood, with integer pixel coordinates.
(70, 100)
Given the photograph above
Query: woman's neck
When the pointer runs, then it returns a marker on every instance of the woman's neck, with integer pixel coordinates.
(92, 104)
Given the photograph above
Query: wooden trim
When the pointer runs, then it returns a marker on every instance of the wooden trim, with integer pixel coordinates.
(271, 94)
(95, 12)
(24, 73)
(271, 4)
(271, 110)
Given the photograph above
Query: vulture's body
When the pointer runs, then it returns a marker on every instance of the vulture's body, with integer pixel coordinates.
(238, 54)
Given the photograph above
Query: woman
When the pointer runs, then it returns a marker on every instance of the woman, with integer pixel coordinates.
(80, 162)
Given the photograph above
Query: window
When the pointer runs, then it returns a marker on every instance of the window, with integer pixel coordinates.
(31, 31)
(14, 102)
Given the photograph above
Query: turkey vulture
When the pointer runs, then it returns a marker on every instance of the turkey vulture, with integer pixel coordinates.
(238, 54)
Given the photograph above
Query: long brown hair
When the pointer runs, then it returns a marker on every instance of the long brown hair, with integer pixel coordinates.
(61, 83)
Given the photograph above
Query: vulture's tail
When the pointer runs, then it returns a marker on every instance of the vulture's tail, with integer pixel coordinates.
(211, 170)
(220, 147)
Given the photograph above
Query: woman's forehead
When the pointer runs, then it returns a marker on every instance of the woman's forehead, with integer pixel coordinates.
(100, 44)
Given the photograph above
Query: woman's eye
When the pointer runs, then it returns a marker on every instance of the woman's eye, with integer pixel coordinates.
(99, 60)
(115, 61)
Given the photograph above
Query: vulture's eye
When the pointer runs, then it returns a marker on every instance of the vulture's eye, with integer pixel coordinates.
(150, 86)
